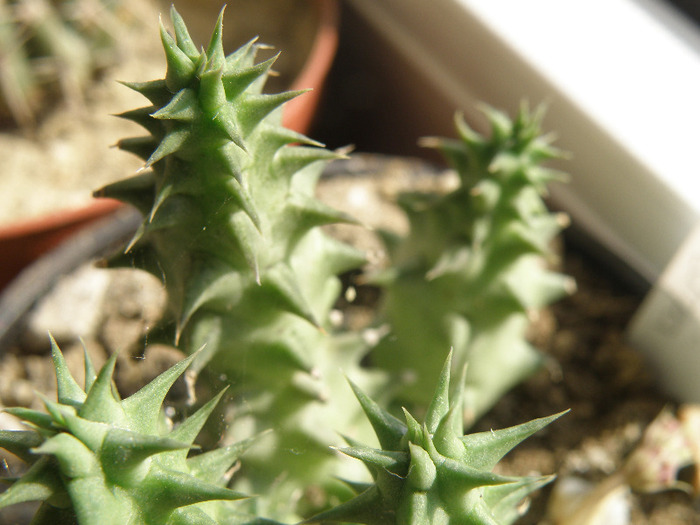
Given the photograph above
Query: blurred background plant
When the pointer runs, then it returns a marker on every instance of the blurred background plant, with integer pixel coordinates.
(51, 51)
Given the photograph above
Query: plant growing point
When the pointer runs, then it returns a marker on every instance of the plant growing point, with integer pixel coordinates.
(430, 473)
(98, 459)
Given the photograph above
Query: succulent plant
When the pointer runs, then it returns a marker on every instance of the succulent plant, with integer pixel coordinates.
(232, 226)
(430, 473)
(49, 47)
(474, 270)
(97, 459)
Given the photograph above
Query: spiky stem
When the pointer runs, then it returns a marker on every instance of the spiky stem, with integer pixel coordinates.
(474, 270)
(232, 226)
(430, 473)
(98, 459)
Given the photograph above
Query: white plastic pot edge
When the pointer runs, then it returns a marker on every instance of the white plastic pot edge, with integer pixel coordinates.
(621, 79)
(621, 86)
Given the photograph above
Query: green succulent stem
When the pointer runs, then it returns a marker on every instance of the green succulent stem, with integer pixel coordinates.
(232, 227)
(98, 459)
(430, 473)
(475, 267)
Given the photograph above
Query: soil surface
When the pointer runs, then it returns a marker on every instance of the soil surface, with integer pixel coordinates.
(608, 387)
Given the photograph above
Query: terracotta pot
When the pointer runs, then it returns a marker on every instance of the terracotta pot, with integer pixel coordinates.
(23, 242)
(298, 113)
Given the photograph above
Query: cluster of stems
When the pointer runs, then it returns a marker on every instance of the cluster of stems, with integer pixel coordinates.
(233, 228)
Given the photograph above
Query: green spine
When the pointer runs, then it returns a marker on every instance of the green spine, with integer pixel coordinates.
(430, 474)
(97, 459)
(474, 267)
